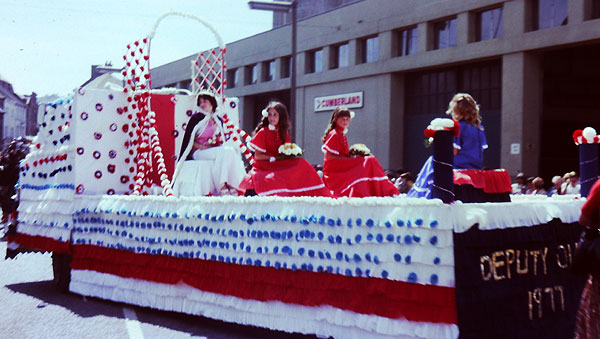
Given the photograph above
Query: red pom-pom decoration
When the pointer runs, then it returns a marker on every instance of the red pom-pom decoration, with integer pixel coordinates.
(577, 134)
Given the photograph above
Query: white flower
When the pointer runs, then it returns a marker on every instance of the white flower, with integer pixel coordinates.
(290, 149)
(352, 114)
(439, 124)
(272, 128)
(589, 133)
(360, 149)
(265, 113)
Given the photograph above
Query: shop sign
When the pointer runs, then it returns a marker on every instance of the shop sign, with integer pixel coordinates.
(330, 102)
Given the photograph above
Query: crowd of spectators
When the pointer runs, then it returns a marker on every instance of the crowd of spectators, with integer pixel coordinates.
(565, 184)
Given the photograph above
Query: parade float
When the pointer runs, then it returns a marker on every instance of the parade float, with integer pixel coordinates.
(96, 191)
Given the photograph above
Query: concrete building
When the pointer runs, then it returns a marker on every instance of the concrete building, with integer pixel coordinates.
(13, 112)
(531, 64)
(308, 8)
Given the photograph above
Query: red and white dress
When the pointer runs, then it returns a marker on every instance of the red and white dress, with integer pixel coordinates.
(290, 177)
(353, 177)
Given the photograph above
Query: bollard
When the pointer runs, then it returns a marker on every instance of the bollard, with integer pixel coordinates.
(588, 167)
(443, 166)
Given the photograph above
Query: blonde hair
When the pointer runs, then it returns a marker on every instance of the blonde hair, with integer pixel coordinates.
(464, 107)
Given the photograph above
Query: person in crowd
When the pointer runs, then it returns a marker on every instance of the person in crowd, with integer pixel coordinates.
(468, 146)
(538, 187)
(271, 173)
(346, 175)
(530, 186)
(319, 169)
(405, 182)
(588, 323)
(557, 182)
(204, 140)
(571, 184)
(520, 186)
(391, 175)
(10, 158)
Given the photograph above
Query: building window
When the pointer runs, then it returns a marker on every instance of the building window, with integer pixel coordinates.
(595, 10)
(370, 49)
(339, 56)
(407, 41)
(269, 70)
(185, 84)
(314, 61)
(286, 66)
(232, 78)
(444, 33)
(549, 13)
(251, 74)
(489, 24)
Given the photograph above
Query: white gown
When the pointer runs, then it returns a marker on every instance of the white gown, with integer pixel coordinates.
(210, 168)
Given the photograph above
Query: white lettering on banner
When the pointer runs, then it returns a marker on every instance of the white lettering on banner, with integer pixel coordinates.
(330, 102)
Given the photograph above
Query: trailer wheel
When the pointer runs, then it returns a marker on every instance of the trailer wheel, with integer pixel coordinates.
(61, 265)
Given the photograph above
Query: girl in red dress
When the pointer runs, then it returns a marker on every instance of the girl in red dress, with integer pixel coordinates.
(271, 175)
(351, 176)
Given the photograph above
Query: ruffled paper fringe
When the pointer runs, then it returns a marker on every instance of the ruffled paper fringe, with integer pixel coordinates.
(518, 213)
(324, 321)
(56, 233)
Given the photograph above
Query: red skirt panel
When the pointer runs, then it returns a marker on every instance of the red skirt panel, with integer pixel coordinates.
(357, 177)
(285, 178)
(490, 181)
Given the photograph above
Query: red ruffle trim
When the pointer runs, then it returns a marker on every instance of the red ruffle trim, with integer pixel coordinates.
(490, 181)
(285, 178)
(357, 177)
(40, 243)
(382, 297)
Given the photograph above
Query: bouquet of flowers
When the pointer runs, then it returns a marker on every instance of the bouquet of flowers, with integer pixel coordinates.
(359, 150)
(290, 150)
(215, 140)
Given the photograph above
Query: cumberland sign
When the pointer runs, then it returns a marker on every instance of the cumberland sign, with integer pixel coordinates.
(329, 103)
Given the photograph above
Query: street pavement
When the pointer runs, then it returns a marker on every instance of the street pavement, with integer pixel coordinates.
(31, 307)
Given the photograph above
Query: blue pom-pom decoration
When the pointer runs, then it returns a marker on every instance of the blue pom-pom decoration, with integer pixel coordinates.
(437, 261)
(397, 257)
(412, 277)
(434, 279)
(433, 240)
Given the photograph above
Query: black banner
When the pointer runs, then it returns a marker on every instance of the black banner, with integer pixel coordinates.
(516, 282)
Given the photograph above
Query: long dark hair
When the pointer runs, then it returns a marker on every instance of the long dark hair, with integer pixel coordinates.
(284, 124)
(338, 112)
